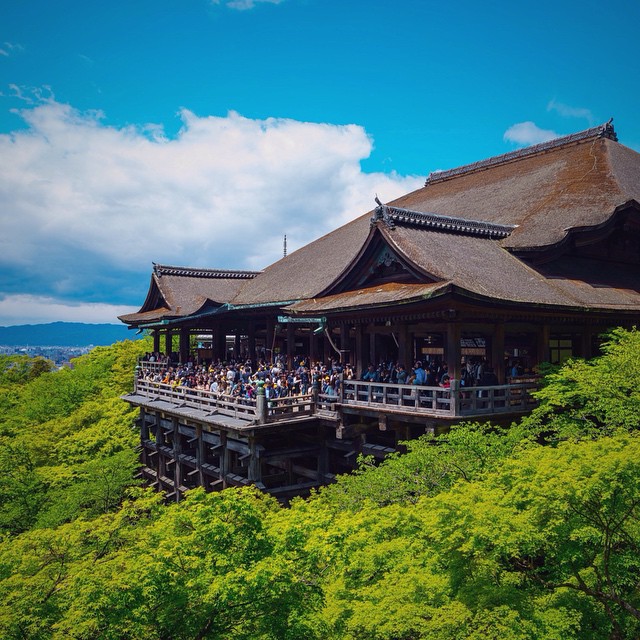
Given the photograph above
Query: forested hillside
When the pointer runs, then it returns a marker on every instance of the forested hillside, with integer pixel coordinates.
(527, 533)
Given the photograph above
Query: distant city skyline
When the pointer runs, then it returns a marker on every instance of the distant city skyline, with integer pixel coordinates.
(201, 132)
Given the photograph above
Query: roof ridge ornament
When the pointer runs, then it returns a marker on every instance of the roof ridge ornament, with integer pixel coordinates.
(381, 213)
(605, 130)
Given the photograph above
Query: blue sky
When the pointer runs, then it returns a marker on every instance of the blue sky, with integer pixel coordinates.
(194, 132)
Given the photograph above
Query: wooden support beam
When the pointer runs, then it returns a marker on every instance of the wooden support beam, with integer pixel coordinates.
(497, 351)
(453, 353)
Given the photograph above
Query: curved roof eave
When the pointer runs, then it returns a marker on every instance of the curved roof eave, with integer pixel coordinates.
(573, 232)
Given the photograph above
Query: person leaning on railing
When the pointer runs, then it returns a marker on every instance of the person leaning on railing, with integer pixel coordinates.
(419, 374)
(371, 374)
(401, 374)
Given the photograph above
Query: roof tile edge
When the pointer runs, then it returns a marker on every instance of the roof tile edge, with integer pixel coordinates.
(395, 215)
(192, 272)
(601, 131)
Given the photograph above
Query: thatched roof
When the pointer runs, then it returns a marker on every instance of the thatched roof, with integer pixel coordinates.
(472, 229)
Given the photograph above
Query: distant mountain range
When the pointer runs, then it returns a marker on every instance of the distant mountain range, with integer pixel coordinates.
(65, 334)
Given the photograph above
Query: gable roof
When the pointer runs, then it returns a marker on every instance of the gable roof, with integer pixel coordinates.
(176, 292)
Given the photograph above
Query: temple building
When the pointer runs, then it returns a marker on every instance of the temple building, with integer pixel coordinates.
(519, 259)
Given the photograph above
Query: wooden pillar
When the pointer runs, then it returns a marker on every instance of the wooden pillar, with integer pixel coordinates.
(291, 337)
(270, 338)
(144, 429)
(404, 347)
(585, 343)
(221, 343)
(313, 347)
(254, 473)
(184, 345)
(168, 342)
(160, 442)
(342, 343)
(200, 455)
(326, 347)
(236, 347)
(497, 352)
(158, 432)
(323, 454)
(372, 349)
(156, 341)
(177, 465)
(224, 459)
(251, 335)
(215, 353)
(544, 334)
(360, 364)
(453, 350)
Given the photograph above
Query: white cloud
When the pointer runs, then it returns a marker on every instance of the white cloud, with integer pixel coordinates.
(242, 5)
(32, 95)
(525, 133)
(27, 309)
(8, 48)
(86, 207)
(570, 112)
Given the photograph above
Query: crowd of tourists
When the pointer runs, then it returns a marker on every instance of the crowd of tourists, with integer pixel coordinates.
(431, 373)
(240, 380)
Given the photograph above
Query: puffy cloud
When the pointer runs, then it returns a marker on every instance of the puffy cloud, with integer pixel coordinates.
(27, 309)
(524, 133)
(87, 207)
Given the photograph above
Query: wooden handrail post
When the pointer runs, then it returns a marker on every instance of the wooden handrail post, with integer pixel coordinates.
(454, 400)
(135, 378)
(261, 403)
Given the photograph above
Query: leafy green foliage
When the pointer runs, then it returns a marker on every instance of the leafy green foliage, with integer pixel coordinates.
(433, 464)
(478, 533)
(67, 443)
(16, 369)
(201, 568)
(589, 399)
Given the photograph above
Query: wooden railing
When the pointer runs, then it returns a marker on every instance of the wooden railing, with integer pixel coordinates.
(401, 397)
(507, 398)
(154, 367)
(275, 409)
(454, 401)
(290, 407)
(198, 399)
(394, 398)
